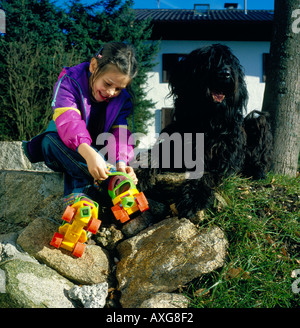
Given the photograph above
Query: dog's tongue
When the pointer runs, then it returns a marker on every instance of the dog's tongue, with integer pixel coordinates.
(218, 96)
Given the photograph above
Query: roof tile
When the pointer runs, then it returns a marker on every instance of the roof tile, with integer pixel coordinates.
(184, 15)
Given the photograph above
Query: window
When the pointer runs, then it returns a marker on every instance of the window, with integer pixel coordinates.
(266, 63)
(169, 61)
(166, 116)
(163, 117)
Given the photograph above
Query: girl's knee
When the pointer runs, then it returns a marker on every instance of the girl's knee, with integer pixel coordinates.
(50, 152)
(47, 142)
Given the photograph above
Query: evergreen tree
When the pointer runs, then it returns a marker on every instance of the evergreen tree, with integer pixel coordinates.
(29, 53)
(41, 38)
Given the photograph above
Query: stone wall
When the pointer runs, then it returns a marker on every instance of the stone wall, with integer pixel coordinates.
(142, 263)
(12, 157)
(27, 191)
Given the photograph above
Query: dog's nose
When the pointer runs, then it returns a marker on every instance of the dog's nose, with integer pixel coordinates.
(225, 74)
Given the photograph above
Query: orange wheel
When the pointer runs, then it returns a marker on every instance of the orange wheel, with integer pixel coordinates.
(94, 225)
(78, 249)
(57, 240)
(142, 202)
(69, 213)
(120, 213)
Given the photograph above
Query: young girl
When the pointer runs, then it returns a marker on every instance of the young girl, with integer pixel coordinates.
(89, 99)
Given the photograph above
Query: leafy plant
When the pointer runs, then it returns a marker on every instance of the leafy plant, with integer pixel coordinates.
(33, 53)
(31, 71)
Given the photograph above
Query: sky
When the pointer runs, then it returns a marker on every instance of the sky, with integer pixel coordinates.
(189, 4)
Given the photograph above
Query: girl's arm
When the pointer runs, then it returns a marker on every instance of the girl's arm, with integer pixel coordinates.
(66, 114)
(72, 128)
(123, 142)
(121, 149)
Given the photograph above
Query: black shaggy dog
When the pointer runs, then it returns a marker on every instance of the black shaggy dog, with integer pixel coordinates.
(210, 97)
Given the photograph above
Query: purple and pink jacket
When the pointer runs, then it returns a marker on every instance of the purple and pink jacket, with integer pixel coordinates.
(71, 112)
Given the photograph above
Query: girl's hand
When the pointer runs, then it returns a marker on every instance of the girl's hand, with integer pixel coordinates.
(121, 166)
(95, 163)
(97, 167)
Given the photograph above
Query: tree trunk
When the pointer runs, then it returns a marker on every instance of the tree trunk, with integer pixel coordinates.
(282, 92)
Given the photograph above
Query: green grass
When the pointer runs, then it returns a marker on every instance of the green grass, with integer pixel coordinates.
(262, 224)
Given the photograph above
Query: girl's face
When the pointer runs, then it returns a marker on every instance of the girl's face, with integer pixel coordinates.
(109, 84)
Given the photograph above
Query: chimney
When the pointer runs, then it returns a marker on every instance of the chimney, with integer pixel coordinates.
(201, 9)
(245, 8)
(230, 5)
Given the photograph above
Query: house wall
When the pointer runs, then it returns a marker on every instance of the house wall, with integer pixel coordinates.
(250, 54)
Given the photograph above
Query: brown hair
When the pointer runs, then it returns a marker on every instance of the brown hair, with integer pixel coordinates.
(121, 55)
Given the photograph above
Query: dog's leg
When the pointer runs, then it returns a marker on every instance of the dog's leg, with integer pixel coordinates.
(196, 195)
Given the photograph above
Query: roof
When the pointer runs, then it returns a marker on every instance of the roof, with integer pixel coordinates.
(225, 24)
(190, 15)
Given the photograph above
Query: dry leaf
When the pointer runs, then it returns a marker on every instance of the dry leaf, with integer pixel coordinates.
(270, 240)
(284, 252)
(201, 292)
(237, 272)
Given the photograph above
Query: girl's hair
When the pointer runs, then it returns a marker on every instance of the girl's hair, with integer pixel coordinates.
(121, 55)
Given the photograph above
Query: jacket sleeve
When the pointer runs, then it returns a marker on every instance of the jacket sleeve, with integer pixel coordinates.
(122, 145)
(67, 115)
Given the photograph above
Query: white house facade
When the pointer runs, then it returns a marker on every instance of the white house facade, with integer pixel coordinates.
(183, 31)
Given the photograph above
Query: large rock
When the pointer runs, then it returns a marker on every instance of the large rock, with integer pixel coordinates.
(27, 190)
(166, 301)
(25, 196)
(165, 256)
(32, 285)
(92, 268)
(26, 283)
(12, 157)
(9, 250)
(90, 296)
(139, 223)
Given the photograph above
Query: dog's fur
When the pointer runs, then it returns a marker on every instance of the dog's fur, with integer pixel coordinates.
(210, 97)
